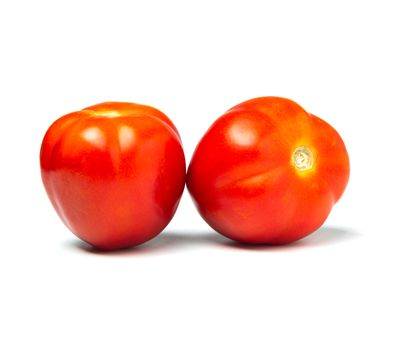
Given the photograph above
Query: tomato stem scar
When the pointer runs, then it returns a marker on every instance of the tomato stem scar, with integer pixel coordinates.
(302, 158)
(108, 113)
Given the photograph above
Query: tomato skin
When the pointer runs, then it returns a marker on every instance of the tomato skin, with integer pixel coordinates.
(244, 181)
(114, 172)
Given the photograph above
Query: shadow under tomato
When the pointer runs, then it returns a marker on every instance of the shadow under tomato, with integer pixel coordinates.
(167, 241)
(171, 241)
(322, 237)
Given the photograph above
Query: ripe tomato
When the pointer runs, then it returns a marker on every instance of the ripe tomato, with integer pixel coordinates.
(114, 172)
(268, 172)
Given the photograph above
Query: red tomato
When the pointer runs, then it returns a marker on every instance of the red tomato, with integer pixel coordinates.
(114, 172)
(268, 172)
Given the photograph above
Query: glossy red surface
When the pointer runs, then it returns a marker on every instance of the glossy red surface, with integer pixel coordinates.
(243, 179)
(114, 172)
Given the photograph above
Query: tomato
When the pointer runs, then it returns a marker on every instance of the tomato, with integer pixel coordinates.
(114, 172)
(268, 172)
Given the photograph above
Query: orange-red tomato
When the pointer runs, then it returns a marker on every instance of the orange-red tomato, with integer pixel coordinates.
(114, 172)
(268, 172)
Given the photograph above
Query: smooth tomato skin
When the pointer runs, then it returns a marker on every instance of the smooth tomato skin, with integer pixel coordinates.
(245, 184)
(114, 172)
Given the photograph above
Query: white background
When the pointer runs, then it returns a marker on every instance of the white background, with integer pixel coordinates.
(190, 288)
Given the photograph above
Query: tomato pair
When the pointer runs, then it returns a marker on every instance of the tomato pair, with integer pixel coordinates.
(265, 172)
